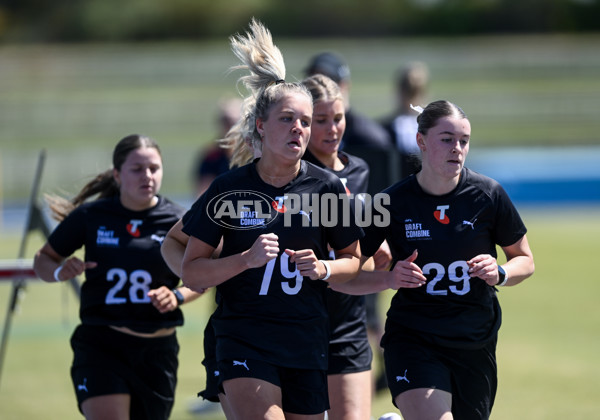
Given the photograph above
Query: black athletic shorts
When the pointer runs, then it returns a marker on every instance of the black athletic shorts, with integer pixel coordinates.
(304, 391)
(211, 392)
(469, 375)
(106, 361)
(349, 357)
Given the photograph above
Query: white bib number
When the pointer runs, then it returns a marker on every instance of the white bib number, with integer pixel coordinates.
(284, 262)
(139, 286)
(463, 281)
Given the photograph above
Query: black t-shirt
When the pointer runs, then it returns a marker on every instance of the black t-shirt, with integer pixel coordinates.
(271, 313)
(364, 131)
(126, 246)
(347, 313)
(451, 309)
(354, 175)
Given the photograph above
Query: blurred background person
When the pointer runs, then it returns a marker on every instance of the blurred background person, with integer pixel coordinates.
(411, 84)
(360, 129)
(214, 159)
(364, 137)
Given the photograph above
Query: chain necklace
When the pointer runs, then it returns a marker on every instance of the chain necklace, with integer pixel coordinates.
(273, 179)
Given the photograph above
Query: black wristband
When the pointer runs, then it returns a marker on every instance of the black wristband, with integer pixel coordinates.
(178, 296)
(502, 276)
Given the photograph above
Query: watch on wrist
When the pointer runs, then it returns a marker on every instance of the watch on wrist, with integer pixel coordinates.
(502, 277)
(178, 296)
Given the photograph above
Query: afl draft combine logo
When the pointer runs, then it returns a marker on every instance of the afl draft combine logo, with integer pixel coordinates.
(243, 209)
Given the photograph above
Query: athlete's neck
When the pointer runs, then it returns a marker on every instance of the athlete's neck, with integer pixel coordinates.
(332, 161)
(278, 176)
(435, 185)
(137, 205)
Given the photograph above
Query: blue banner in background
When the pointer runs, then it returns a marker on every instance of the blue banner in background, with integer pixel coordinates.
(543, 175)
(585, 191)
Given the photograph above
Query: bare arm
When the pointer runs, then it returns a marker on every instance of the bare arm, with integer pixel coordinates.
(344, 268)
(405, 274)
(164, 299)
(366, 282)
(173, 247)
(47, 261)
(382, 259)
(519, 264)
(197, 260)
(172, 250)
(346, 265)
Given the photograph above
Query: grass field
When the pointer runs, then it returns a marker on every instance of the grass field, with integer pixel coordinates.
(547, 353)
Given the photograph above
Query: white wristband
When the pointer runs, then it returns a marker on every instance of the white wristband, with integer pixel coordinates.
(56, 273)
(327, 270)
(503, 281)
